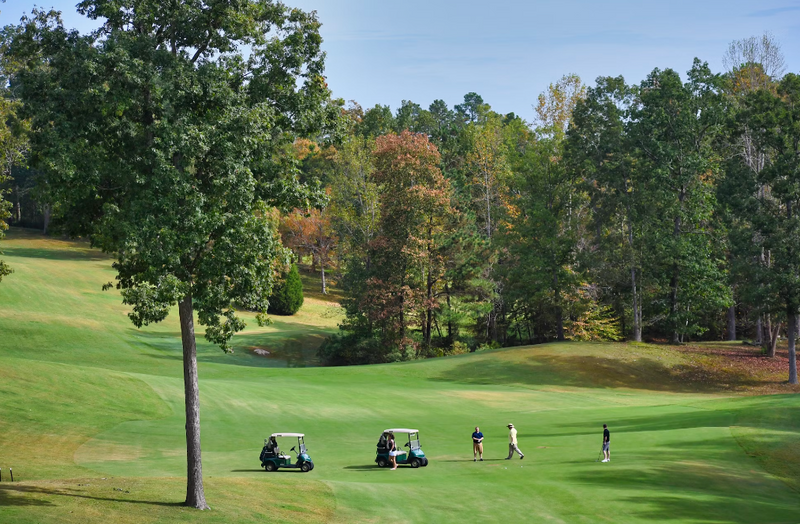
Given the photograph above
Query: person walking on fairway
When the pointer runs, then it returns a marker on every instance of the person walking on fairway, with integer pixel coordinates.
(606, 444)
(477, 444)
(512, 443)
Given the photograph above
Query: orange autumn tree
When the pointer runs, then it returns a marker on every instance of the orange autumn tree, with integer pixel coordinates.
(310, 232)
(410, 252)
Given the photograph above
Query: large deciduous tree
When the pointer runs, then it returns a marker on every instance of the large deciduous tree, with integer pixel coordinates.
(772, 196)
(599, 151)
(164, 135)
(673, 127)
(408, 252)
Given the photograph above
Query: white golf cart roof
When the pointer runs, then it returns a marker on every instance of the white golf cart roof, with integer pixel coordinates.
(287, 435)
(401, 430)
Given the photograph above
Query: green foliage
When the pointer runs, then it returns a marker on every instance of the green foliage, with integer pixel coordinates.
(287, 295)
(346, 349)
(13, 148)
(181, 196)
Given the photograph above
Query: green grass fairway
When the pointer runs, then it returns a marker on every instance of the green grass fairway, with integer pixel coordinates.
(91, 420)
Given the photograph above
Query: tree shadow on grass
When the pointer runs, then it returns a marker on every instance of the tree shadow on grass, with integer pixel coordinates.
(470, 460)
(26, 495)
(282, 348)
(592, 371)
(668, 421)
(55, 254)
(777, 412)
(279, 470)
(696, 492)
(374, 467)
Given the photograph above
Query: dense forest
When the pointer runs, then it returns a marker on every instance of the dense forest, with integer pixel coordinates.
(664, 210)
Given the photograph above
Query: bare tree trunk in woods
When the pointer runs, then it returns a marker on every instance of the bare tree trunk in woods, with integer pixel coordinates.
(732, 322)
(324, 285)
(487, 181)
(429, 310)
(403, 309)
(759, 331)
(676, 233)
(47, 210)
(17, 205)
(559, 311)
(449, 314)
(791, 331)
(637, 311)
(772, 332)
(676, 339)
(195, 495)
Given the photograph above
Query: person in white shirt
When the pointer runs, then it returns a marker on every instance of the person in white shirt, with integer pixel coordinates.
(512, 443)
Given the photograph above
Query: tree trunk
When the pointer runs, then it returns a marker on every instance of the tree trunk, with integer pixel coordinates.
(559, 310)
(560, 325)
(195, 495)
(773, 338)
(674, 302)
(791, 332)
(676, 233)
(637, 312)
(732, 323)
(324, 286)
(449, 315)
(759, 331)
(17, 205)
(47, 210)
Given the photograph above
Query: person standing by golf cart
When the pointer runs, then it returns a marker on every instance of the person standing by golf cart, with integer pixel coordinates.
(606, 444)
(392, 447)
(512, 443)
(477, 444)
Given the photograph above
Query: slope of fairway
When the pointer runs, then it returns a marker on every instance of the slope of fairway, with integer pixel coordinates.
(91, 421)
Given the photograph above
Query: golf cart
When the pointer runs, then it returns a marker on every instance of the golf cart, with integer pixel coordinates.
(414, 456)
(272, 458)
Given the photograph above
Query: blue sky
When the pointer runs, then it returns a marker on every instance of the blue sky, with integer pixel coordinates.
(508, 51)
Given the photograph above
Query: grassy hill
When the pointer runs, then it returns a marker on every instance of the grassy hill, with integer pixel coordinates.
(91, 420)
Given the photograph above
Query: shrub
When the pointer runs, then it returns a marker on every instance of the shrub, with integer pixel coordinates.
(287, 296)
(348, 349)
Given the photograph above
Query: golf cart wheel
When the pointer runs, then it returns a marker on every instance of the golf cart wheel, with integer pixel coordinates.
(424, 462)
(270, 466)
(382, 462)
(305, 467)
(415, 463)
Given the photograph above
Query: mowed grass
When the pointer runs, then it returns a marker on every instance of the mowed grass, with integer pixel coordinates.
(91, 420)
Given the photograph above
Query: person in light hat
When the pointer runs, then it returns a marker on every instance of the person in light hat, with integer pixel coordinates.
(512, 443)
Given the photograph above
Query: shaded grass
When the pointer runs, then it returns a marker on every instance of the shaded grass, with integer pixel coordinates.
(125, 500)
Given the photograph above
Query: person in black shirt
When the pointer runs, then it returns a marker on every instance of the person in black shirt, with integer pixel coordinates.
(477, 444)
(606, 444)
